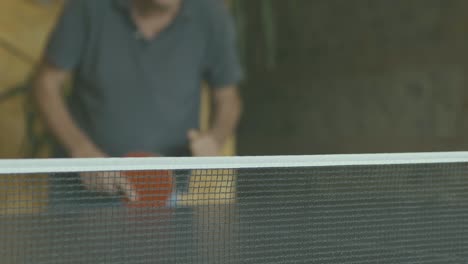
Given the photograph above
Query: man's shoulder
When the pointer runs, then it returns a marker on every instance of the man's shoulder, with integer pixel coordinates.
(209, 10)
(209, 5)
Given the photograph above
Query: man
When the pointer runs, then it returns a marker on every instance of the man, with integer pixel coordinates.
(137, 67)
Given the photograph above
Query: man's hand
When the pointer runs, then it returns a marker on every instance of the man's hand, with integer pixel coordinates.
(203, 144)
(109, 182)
(106, 182)
(87, 150)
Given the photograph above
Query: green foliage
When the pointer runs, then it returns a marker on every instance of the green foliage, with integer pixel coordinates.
(269, 29)
(239, 11)
(267, 20)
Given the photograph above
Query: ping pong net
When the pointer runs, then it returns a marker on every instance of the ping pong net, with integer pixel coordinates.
(380, 208)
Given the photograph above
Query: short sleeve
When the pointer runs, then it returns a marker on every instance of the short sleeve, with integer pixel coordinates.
(223, 65)
(66, 42)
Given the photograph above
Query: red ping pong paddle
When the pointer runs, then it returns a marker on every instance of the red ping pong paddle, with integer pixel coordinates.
(153, 187)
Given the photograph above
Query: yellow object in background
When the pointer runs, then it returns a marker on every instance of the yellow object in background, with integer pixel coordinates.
(24, 26)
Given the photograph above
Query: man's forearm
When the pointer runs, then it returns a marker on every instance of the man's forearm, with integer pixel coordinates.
(228, 109)
(47, 92)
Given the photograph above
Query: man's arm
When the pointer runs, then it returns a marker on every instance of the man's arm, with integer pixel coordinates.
(227, 112)
(47, 89)
(223, 72)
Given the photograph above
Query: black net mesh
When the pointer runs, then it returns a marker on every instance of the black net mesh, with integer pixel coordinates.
(414, 213)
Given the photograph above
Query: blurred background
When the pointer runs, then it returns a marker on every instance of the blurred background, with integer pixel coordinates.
(323, 76)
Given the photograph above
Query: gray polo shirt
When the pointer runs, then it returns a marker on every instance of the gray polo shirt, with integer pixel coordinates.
(133, 94)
